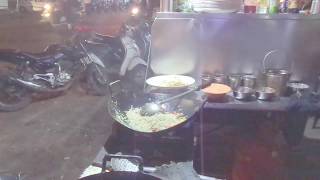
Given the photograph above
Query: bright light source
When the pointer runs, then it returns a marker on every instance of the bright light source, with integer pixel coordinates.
(135, 10)
(47, 6)
(46, 15)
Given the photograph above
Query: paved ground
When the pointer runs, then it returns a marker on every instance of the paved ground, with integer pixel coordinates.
(51, 139)
(54, 139)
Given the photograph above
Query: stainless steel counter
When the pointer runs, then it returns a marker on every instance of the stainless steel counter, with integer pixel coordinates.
(189, 43)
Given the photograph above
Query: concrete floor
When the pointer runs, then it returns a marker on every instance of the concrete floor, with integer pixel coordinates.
(53, 139)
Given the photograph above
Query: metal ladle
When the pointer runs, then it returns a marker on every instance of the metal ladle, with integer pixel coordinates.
(152, 108)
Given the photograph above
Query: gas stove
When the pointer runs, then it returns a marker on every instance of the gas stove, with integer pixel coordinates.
(171, 171)
(155, 148)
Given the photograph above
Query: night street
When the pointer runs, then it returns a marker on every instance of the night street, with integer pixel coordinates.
(159, 89)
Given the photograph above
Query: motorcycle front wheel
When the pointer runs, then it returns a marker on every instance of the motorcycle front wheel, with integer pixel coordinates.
(97, 80)
(13, 97)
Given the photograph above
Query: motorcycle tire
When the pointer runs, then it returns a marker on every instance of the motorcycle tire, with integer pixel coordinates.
(24, 98)
(97, 82)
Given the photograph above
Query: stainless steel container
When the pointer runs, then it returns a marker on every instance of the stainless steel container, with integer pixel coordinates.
(249, 81)
(297, 88)
(243, 93)
(206, 79)
(220, 78)
(234, 81)
(277, 79)
(265, 93)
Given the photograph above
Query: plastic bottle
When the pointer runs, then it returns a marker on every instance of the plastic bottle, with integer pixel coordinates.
(262, 7)
(273, 6)
(315, 7)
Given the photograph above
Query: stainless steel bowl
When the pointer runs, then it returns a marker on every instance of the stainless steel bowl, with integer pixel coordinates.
(297, 88)
(243, 93)
(265, 93)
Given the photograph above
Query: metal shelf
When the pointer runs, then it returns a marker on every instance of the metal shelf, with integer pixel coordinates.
(280, 16)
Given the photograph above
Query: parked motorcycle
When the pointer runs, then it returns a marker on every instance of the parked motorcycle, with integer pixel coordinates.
(124, 55)
(54, 70)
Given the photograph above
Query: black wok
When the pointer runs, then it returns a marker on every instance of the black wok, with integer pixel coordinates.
(120, 175)
(122, 102)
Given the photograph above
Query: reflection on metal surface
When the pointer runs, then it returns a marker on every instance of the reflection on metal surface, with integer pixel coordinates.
(235, 43)
(174, 47)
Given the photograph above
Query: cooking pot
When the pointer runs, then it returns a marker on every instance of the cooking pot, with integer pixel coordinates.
(121, 175)
(277, 79)
(274, 77)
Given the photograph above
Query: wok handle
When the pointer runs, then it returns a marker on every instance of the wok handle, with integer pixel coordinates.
(109, 156)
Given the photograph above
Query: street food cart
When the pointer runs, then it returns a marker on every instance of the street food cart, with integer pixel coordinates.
(198, 44)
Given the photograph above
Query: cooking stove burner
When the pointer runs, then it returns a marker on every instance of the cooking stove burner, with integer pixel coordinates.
(156, 149)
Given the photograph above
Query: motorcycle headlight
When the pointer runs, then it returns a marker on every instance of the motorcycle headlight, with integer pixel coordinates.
(47, 7)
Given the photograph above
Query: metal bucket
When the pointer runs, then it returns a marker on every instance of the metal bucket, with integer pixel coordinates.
(275, 78)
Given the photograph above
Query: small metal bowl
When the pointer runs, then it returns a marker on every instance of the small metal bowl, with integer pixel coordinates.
(243, 93)
(266, 93)
(297, 88)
